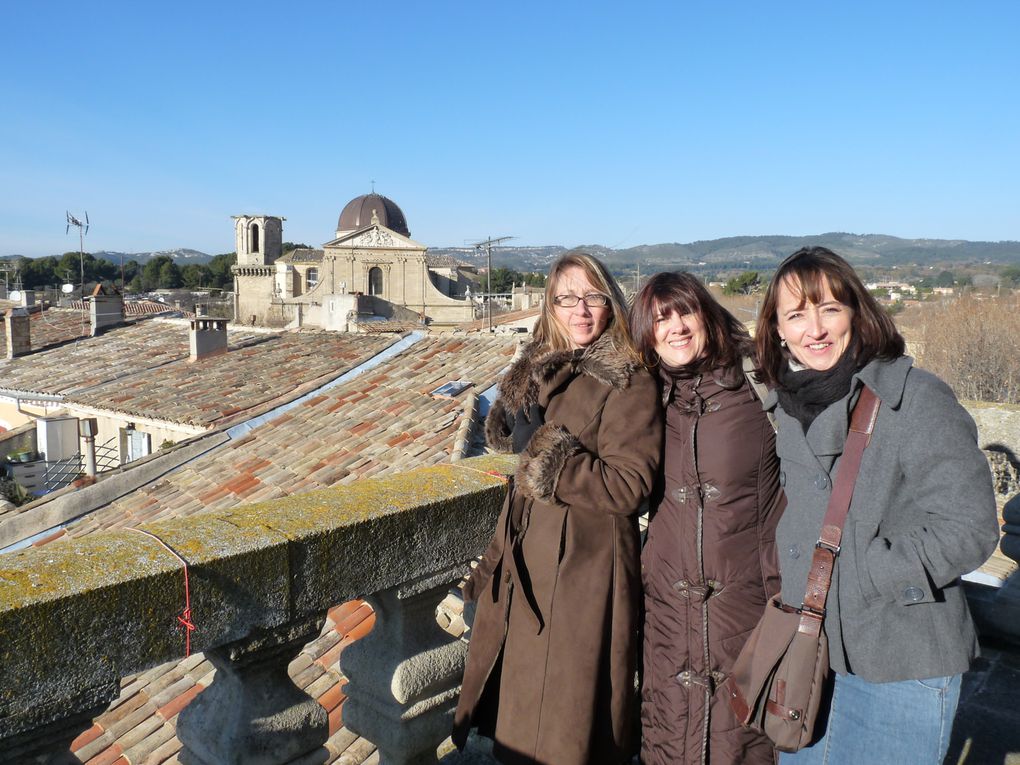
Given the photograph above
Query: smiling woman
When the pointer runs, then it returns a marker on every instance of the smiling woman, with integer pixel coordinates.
(550, 669)
(709, 562)
(922, 513)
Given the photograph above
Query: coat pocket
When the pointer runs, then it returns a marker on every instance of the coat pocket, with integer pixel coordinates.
(863, 536)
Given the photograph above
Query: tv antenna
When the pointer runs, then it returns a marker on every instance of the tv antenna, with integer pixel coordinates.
(83, 229)
(488, 245)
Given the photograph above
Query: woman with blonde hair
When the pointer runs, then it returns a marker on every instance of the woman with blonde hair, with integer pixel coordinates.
(552, 658)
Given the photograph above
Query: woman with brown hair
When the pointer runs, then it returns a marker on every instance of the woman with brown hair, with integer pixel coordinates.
(922, 513)
(551, 663)
(709, 563)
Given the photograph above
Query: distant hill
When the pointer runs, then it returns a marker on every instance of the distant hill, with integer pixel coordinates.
(181, 256)
(757, 252)
(734, 252)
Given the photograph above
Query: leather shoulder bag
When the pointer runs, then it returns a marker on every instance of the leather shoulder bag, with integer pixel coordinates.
(777, 682)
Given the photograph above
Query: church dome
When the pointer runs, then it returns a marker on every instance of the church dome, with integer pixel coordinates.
(358, 214)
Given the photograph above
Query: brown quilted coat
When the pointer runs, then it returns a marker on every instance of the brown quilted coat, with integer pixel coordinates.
(561, 579)
(707, 567)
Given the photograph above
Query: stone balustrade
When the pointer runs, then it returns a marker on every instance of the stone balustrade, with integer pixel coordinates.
(77, 616)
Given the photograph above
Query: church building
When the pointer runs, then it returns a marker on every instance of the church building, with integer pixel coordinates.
(371, 269)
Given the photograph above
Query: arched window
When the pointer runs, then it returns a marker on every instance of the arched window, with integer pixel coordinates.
(255, 237)
(375, 281)
(311, 277)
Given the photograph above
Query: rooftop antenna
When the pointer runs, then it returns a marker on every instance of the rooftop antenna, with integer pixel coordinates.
(83, 229)
(488, 245)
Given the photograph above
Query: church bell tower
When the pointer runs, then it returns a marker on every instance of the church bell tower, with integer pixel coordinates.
(258, 239)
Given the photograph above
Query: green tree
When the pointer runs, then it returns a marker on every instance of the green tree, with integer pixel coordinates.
(1010, 276)
(170, 276)
(151, 272)
(502, 279)
(945, 279)
(219, 270)
(194, 276)
(748, 283)
(38, 272)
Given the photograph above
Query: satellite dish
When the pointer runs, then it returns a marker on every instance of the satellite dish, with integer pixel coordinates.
(14, 295)
(67, 289)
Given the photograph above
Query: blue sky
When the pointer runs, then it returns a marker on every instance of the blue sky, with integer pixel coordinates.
(557, 123)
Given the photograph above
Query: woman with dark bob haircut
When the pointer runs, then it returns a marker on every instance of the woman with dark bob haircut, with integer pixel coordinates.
(709, 563)
(922, 513)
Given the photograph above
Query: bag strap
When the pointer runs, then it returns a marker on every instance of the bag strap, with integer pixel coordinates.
(862, 424)
(758, 387)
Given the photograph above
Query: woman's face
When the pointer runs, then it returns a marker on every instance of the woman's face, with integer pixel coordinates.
(817, 334)
(583, 323)
(680, 339)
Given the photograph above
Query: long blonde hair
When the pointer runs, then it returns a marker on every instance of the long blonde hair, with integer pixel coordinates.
(551, 335)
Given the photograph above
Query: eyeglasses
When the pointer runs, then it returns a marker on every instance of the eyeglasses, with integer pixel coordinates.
(592, 300)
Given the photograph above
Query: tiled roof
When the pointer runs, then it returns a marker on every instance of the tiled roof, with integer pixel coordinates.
(89, 361)
(256, 369)
(302, 255)
(388, 326)
(51, 327)
(142, 370)
(441, 261)
(383, 421)
(141, 725)
(498, 319)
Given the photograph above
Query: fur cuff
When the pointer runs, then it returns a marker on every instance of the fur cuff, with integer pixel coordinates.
(497, 432)
(539, 469)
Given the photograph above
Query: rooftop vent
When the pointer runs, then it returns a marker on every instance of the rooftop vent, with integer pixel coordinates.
(18, 329)
(106, 309)
(208, 337)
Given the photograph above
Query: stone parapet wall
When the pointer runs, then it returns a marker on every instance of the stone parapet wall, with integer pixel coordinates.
(77, 616)
(998, 426)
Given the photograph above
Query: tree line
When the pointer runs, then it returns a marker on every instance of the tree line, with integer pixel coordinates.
(160, 272)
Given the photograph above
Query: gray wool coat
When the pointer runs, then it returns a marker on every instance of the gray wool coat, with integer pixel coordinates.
(923, 513)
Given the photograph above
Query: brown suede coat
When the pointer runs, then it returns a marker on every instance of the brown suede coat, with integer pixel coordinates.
(552, 660)
(707, 567)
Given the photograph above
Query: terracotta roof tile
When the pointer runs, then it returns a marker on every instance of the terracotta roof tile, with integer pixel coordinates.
(141, 369)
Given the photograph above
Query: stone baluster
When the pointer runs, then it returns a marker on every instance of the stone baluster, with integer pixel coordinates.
(252, 713)
(404, 676)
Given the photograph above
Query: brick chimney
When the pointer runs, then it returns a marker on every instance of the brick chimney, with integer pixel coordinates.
(208, 337)
(105, 310)
(18, 329)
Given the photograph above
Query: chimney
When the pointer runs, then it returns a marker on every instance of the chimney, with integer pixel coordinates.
(105, 310)
(27, 298)
(208, 337)
(18, 330)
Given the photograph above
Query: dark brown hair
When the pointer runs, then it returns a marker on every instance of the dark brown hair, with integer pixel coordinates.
(808, 271)
(682, 293)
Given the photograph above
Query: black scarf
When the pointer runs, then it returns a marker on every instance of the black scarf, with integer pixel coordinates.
(805, 393)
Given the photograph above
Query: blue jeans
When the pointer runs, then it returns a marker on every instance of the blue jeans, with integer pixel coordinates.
(903, 723)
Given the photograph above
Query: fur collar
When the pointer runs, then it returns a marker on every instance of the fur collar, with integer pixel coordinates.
(537, 369)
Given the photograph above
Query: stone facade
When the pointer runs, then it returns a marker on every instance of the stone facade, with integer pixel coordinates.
(308, 287)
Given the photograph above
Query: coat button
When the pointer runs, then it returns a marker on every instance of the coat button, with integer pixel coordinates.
(794, 551)
(782, 478)
(821, 481)
(913, 594)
